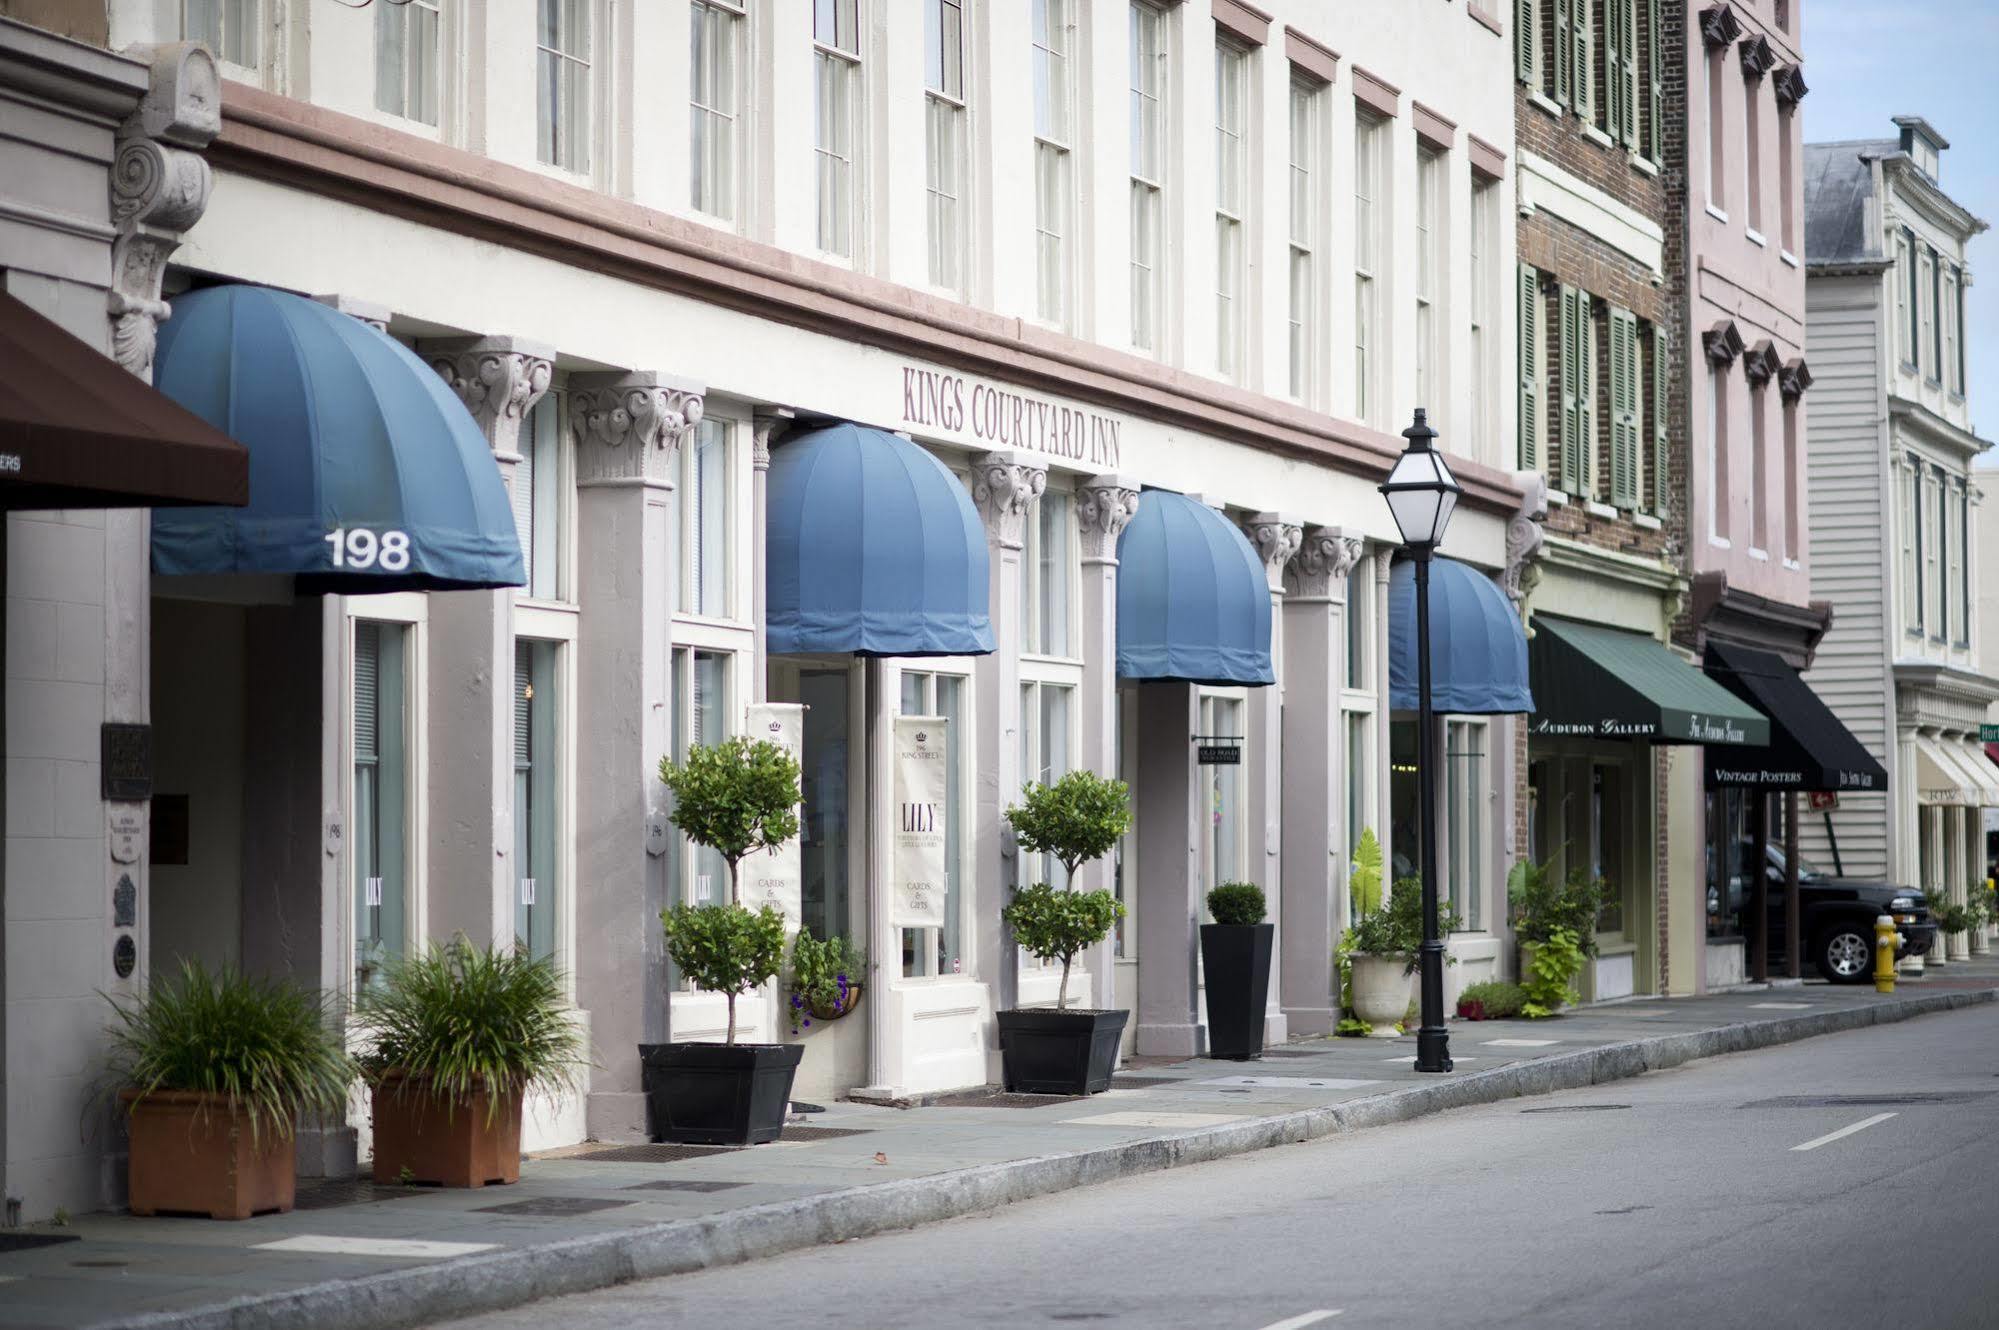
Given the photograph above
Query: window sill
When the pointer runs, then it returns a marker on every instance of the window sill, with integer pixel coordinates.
(1762, 556)
(1595, 509)
(1792, 565)
(1646, 522)
(1644, 165)
(1597, 136)
(1756, 237)
(1547, 103)
(1558, 499)
(1788, 257)
(1716, 213)
(1720, 542)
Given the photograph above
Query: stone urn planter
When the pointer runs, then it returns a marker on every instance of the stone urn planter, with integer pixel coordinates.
(1381, 989)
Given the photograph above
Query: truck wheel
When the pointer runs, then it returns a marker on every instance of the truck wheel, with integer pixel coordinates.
(1845, 953)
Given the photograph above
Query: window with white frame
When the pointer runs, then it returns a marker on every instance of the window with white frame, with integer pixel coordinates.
(1370, 135)
(1717, 452)
(1926, 276)
(562, 84)
(1225, 825)
(836, 64)
(1054, 128)
(1048, 568)
(1966, 561)
(541, 498)
(407, 64)
(1937, 519)
(381, 714)
(1148, 170)
(1465, 824)
(1714, 75)
(1484, 223)
(703, 714)
(1952, 374)
(1957, 359)
(1231, 204)
(1752, 154)
(1904, 281)
(715, 104)
(1952, 489)
(229, 28)
(1047, 749)
(1912, 546)
(1357, 704)
(1759, 478)
(705, 495)
(1307, 99)
(1429, 275)
(537, 803)
(946, 693)
(944, 140)
(1929, 546)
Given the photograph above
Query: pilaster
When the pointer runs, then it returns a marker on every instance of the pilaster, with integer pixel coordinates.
(765, 428)
(1276, 537)
(1105, 505)
(628, 429)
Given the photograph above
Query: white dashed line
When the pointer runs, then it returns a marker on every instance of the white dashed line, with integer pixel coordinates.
(1832, 1136)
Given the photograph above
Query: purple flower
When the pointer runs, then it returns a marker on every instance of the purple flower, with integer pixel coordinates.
(808, 1020)
(797, 1001)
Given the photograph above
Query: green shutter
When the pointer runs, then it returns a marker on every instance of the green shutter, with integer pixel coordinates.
(1654, 37)
(1570, 349)
(1565, 49)
(1613, 61)
(1525, 20)
(1530, 369)
(1624, 374)
(1586, 391)
(1661, 480)
(1580, 71)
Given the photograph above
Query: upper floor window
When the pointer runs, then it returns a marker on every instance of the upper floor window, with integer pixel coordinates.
(1231, 203)
(1054, 116)
(1912, 546)
(715, 105)
(1047, 568)
(836, 62)
(1370, 135)
(1619, 110)
(1965, 558)
(406, 59)
(562, 84)
(1717, 453)
(1713, 75)
(1906, 301)
(1627, 396)
(1304, 236)
(1752, 153)
(1576, 347)
(944, 140)
(1148, 171)
(1484, 224)
(1956, 575)
(1930, 535)
(1429, 274)
(540, 489)
(1957, 320)
(1926, 313)
(1947, 325)
(226, 27)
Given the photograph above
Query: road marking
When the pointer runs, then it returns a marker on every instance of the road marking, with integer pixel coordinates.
(325, 1245)
(1308, 1318)
(1520, 1043)
(1409, 1057)
(1832, 1136)
(1155, 1119)
(1780, 1006)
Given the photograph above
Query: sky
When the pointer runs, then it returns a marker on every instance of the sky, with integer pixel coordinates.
(1867, 61)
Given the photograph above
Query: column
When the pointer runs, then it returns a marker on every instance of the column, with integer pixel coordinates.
(765, 426)
(471, 693)
(1105, 505)
(628, 428)
(1905, 828)
(1276, 538)
(1314, 813)
(1168, 842)
(1005, 486)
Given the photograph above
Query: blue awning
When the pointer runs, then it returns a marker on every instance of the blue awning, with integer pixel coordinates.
(1192, 601)
(367, 473)
(872, 546)
(1478, 651)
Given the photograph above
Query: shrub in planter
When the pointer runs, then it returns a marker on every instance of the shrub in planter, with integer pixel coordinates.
(1363, 897)
(1548, 980)
(1078, 819)
(739, 797)
(461, 1034)
(1490, 1000)
(825, 979)
(214, 1071)
(1235, 962)
(1383, 952)
(1543, 902)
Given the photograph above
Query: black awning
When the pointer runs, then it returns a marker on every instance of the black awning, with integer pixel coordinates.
(1809, 748)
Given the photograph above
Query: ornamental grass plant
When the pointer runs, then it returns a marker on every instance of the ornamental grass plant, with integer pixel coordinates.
(268, 1050)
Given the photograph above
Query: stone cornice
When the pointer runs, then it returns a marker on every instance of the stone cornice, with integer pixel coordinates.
(1948, 682)
(1913, 415)
(306, 147)
(1924, 196)
(1594, 560)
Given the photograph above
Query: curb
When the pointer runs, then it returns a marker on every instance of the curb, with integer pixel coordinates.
(499, 1280)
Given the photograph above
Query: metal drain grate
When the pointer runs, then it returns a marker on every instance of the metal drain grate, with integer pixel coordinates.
(1576, 1108)
(1144, 1082)
(27, 1241)
(1869, 1100)
(657, 1154)
(684, 1184)
(552, 1207)
(823, 1133)
(1004, 1100)
(334, 1192)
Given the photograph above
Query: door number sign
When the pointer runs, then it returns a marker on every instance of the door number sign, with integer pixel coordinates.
(357, 547)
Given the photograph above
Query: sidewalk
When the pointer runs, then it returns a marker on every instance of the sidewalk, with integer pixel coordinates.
(354, 1255)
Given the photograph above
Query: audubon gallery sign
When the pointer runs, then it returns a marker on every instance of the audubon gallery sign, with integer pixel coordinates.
(999, 417)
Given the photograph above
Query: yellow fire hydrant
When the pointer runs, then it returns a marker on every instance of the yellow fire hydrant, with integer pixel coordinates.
(1885, 940)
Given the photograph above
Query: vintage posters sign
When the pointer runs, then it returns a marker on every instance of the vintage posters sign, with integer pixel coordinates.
(773, 879)
(920, 810)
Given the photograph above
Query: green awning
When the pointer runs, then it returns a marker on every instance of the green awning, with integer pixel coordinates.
(1606, 683)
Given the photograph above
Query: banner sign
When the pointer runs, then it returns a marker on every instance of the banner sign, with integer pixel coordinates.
(773, 879)
(920, 810)
(1988, 734)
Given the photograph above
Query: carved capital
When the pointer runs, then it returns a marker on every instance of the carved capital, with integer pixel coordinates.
(1319, 568)
(1004, 487)
(1276, 538)
(1790, 84)
(1525, 537)
(765, 426)
(1105, 506)
(498, 378)
(629, 427)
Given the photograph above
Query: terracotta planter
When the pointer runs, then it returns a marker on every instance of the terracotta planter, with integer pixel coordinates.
(193, 1154)
(1381, 986)
(442, 1142)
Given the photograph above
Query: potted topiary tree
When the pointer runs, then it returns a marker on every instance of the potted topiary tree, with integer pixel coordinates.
(1235, 961)
(1078, 819)
(216, 1070)
(460, 1035)
(739, 797)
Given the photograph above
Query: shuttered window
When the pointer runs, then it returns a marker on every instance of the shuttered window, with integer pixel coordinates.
(1578, 420)
(1654, 69)
(1626, 464)
(1530, 368)
(1582, 57)
(1620, 70)
(1565, 46)
(1527, 42)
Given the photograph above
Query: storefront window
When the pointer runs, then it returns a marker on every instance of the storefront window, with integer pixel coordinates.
(1404, 833)
(826, 840)
(538, 490)
(1464, 796)
(1224, 857)
(535, 796)
(1047, 565)
(698, 875)
(1607, 857)
(1047, 735)
(381, 797)
(1360, 728)
(1728, 853)
(933, 951)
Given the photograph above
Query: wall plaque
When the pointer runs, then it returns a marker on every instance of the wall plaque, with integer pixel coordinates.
(125, 903)
(126, 752)
(124, 956)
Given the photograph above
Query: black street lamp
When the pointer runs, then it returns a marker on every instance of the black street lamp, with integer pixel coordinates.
(1421, 494)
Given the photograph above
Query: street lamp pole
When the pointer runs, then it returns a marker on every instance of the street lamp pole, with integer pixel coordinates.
(1421, 494)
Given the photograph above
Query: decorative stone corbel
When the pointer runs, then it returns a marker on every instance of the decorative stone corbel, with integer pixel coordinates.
(765, 426)
(629, 426)
(1719, 26)
(1761, 363)
(1790, 84)
(1525, 537)
(159, 188)
(1105, 506)
(1794, 379)
(1322, 561)
(1758, 57)
(1276, 538)
(1004, 488)
(1722, 343)
(498, 378)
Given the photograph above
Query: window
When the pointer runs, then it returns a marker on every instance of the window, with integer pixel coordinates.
(1793, 484)
(1360, 618)
(1950, 321)
(1958, 360)
(1357, 705)
(715, 79)
(1403, 848)
(829, 774)
(562, 84)
(944, 139)
(1429, 276)
(1053, 114)
(836, 61)
(698, 874)
(706, 531)
(535, 799)
(406, 64)
(1714, 72)
(1927, 348)
(1304, 229)
(1231, 203)
(1752, 153)
(1464, 828)
(1906, 300)
(1964, 563)
(1148, 155)
(1360, 774)
(1529, 426)
(1620, 71)
(1047, 744)
(1369, 257)
(1627, 392)
(382, 804)
(539, 488)
(1937, 519)
(1527, 42)
(1577, 445)
(1574, 32)
(1607, 857)
(1912, 546)
(1654, 102)
(1787, 207)
(935, 951)
(1759, 476)
(1949, 496)
(1928, 537)
(1047, 568)
(1717, 451)
(1660, 438)
(1224, 829)
(1484, 208)
(226, 27)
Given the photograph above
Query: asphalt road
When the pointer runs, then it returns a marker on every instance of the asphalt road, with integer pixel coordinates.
(1689, 1204)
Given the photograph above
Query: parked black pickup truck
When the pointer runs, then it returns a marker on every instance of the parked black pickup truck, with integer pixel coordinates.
(1836, 916)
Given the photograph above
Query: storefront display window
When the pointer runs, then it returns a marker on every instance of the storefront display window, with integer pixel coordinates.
(826, 840)
(539, 493)
(698, 874)
(1464, 824)
(1607, 844)
(536, 885)
(935, 951)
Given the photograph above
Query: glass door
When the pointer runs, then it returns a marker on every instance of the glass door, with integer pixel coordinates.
(381, 796)
(535, 807)
(931, 692)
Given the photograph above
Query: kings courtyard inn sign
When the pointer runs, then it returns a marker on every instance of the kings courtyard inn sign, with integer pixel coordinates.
(1001, 418)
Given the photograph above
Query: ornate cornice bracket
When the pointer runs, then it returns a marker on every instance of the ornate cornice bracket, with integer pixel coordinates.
(498, 378)
(1719, 25)
(1762, 363)
(629, 426)
(1319, 568)
(1005, 486)
(1526, 537)
(1722, 343)
(765, 426)
(1105, 506)
(1276, 537)
(1794, 378)
(1758, 57)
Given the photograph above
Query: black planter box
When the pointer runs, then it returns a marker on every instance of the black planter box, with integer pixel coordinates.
(1236, 961)
(1044, 1051)
(718, 1094)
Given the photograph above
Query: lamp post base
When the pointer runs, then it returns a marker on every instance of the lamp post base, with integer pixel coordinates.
(1433, 1049)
